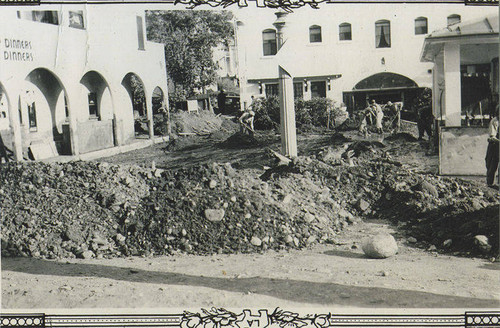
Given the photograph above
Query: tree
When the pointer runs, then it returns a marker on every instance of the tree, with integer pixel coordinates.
(189, 38)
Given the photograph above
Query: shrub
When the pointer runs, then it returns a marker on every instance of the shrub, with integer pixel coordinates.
(267, 113)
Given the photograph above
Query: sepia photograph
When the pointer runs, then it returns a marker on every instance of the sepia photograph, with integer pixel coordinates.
(317, 161)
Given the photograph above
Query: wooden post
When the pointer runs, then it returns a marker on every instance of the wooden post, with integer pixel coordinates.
(287, 114)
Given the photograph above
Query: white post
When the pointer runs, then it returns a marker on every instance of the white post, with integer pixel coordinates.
(452, 88)
(287, 114)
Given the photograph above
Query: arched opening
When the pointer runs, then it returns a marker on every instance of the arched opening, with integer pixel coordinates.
(383, 87)
(6, 149)
(96, 92)
(135, 88)
(158, 101)
(160, 112)
(44, 105)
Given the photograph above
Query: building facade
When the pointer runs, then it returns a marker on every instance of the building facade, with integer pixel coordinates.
(77, 78)
(346, 52)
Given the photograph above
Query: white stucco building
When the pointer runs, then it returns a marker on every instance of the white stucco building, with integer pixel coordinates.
(66, 75)
(346, 52)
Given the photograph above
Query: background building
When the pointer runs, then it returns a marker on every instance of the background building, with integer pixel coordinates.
(77, 78)
(347, 52)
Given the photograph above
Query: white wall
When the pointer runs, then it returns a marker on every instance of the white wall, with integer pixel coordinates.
(356, 59)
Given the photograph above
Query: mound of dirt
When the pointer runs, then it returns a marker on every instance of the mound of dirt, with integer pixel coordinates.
(202, 123)
(86, 209)
(401, 136)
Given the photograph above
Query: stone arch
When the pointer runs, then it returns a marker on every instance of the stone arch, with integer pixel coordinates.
(158, 100)
(385, 80)
(137, 92)
(45, 108)
(98, 95)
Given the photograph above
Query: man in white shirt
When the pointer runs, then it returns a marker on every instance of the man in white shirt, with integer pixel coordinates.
(492, 151)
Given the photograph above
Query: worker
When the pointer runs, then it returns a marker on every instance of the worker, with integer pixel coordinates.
(395, 110)
(246, 119)
(379, 116)
(424, 121)
(363, 125)
(492, 151)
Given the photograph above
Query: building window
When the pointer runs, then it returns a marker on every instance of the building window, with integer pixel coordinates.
(453, 19)
(140, 33)
(269, 43)
(420, 25)
(271, 89)
(315, 34)
(32, 117)
(76, 19)
(318, 89)
(93, 110)
(298, 90)
(45, 16)
(345, 32)
(383, 34)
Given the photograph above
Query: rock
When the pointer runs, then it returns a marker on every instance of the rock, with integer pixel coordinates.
(476, 204)
(426, 187)
(308, 217)
(432, 248)
(363, 205)
(482, 242)
(447, 243)
(412, 240)
(255, 241)
(214, 215)
(248, 216)
(310, 240)
(87, 254)
(233, 199)
(380, 246)
(212, 184)
(288, 239)
(287, 199)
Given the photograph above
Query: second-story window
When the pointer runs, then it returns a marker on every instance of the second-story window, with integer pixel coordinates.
(420, 25)
(315, 34)
(383, 34)
(453, 19)
(76, 19)
(140, 33)
(269, 44)
(345, 32)
(46, 16)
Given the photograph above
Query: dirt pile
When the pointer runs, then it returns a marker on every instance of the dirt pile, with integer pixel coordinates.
(202, 123)
(88, 209)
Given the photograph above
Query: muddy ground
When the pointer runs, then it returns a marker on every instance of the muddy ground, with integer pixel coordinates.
(322, 265)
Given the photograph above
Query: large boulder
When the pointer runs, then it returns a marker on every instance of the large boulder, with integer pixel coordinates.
(379, 246)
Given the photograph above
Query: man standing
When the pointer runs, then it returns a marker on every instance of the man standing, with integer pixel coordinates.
(492, 151)
(379, 116)
(424, 122)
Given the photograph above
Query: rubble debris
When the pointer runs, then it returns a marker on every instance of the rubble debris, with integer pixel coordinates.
(88, 209)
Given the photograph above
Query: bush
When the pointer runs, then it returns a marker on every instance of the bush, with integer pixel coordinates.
(267, 113)
(308, 113)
